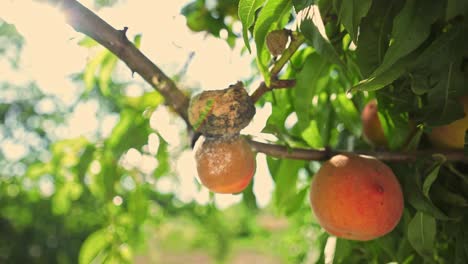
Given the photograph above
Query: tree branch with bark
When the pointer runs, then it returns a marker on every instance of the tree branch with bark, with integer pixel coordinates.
(87, 22)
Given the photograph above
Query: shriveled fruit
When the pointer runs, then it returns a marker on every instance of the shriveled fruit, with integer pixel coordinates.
(224, 165)
(356, 197)
(276, 41)
(371, 126)
(221, 112)
(451, 136)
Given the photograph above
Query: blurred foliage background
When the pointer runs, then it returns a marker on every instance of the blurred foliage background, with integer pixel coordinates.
(94, 199)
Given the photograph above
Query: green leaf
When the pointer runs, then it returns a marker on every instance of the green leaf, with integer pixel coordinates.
(455, 8)
(314, 32)
(246, 13)
(61, 202)
(105, 73)
(141, 103)
(320, 243)
(347, 114)
(343, 250)
(446, 48)
(91, 69)
(443, 105)
(408, 260)
(106, 179)
(388, 243)
(86, 158)
(163, 159)
(461, 254)
(38, 169)
(325, 118)
(410, 28)
(306, 86)
(414, 141)
(445, 195)
(65, 152)
(88, 42)
(273, 166)
(72, 145)
(379, 81)
(248, 198)
(432, 176)
(199, 18)
(350, 13)
(415, 196)
(138, 205)
(63, 197)
(301, 4)
(395, 126)
(94, 247)
(131, 131)
(421, 203)
(374, 35)
(421, 234)
(296, 201)
(286, 179)
(137, 41)
(312, 135)
(282, 108)
(269, 18)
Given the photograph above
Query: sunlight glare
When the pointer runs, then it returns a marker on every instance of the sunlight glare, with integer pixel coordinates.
(186, 174)
(46, 186)
(131, 159)
(263, 183)
(12, 150)
(161, 121)
(48, 56)
(83, 120)
(165, 185)
(224, 201)
(148, 164)
(117, 200)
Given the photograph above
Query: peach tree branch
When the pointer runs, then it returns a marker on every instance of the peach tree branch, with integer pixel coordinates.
(274, 84)
(325, 154)
(85, 21)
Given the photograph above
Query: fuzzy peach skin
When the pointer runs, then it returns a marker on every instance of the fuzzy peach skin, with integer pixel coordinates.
(371, 126)
(224, 165)
(356, 197)
(451, 136)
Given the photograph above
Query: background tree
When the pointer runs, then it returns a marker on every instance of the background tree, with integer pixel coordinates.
(81, 199)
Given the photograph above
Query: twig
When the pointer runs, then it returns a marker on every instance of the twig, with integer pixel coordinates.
(276, 84)
(85, 21)
(324, 154)
(296, 41)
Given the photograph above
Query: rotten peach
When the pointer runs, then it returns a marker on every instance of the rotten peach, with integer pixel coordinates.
(224, 165)
(221, 112)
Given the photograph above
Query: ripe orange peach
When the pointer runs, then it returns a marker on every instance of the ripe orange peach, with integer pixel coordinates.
(224, 165)
(356, 197)
(451, 136)
(371, 126)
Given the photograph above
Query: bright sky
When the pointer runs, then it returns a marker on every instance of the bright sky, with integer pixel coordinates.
(51, 54)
